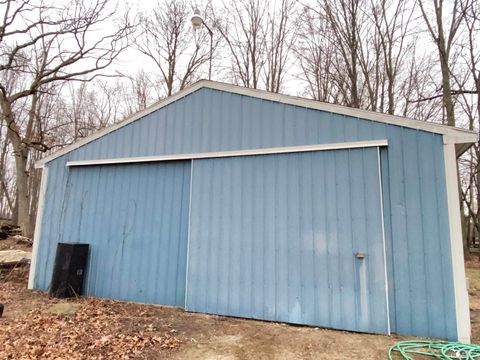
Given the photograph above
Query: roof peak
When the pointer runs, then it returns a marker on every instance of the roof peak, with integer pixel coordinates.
(451, 134)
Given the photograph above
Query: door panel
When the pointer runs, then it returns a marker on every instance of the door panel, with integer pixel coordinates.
(135, 218)
(274, 237)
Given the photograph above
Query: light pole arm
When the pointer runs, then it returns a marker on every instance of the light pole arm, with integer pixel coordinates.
(211, 50)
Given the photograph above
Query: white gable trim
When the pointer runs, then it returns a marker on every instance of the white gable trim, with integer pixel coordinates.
(452, 135)
(123, 123)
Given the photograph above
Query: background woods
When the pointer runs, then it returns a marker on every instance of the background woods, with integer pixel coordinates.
(41, 47)
(68, 69)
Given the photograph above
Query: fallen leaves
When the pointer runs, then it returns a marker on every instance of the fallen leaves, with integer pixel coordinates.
(94, 331)
(97, 329)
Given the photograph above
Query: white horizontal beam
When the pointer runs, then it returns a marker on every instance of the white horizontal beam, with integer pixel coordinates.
(234, 153)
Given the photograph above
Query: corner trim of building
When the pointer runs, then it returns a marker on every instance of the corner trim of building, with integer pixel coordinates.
(188, 233)
(462, 310)
(38, 227)
(234, 153)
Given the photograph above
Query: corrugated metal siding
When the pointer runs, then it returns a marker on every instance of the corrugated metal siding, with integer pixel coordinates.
(421, 257)
(274, 237)
(210, 120)
(135, 218)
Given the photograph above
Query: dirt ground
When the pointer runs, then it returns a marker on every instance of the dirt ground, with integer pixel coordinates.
(105, 329)
(473, 275)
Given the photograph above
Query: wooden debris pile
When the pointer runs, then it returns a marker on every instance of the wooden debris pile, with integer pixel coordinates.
(7, 230)
(95, 331)
(22, 239)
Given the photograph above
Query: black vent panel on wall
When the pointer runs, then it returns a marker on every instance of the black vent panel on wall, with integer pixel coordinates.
(69, 270)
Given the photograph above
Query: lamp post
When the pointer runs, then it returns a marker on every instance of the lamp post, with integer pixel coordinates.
(197, 22)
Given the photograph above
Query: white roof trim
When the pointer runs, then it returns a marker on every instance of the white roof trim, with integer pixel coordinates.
(456, 135)
(234, 153)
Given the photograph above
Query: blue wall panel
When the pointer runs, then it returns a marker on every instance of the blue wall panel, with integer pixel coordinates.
(275, 236)
(416, 218)
(135, 218)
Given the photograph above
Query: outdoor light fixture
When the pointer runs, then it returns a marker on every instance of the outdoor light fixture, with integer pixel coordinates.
(197, 22)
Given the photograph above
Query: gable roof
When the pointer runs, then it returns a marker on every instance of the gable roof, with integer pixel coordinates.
(461, 137)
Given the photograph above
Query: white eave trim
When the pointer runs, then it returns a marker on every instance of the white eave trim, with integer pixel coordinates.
(235, 153)
(458, 134)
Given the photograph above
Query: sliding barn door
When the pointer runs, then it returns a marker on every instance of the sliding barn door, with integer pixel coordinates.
(290, 237)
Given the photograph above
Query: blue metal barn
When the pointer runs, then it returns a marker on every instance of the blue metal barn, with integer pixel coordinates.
(240, 202)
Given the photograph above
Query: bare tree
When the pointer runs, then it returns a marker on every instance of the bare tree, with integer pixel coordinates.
(92, 106)
(444, 40)
(467, 81)
(245, 33)
(258, 39)
(340, 42)
(7, 197)
(371, 83)
(417, 81)
(168, 40)
(281, 35)
(41, 45)
(392, 20)
(139, 91)
(316, 55)
(470, 84)
(346, 19)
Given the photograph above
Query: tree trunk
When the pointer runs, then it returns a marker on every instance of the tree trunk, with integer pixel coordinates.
(444, 57)
(15, 210)
(20, 152)
(391, 95)
(447, 90)
(463, 221)
(21, 158)
(465, 226)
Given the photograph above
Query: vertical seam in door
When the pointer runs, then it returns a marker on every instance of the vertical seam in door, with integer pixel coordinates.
(383, 238)
(188, 232)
